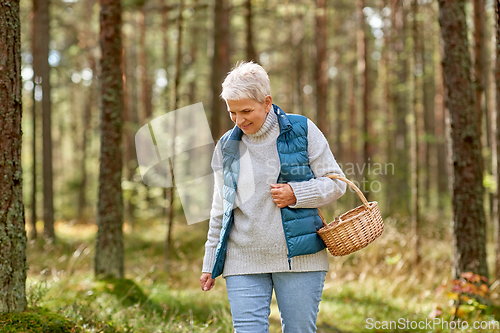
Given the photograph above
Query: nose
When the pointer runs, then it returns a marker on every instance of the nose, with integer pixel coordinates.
(239, 120)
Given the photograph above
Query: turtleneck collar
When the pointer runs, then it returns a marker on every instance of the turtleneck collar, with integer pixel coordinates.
(269, 128)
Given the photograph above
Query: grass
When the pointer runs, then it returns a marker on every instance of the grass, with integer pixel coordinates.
(379, 283)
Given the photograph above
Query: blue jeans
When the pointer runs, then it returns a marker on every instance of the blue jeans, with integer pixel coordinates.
(298, 295)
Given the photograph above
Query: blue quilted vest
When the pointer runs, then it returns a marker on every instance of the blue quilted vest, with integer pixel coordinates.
(299, 224)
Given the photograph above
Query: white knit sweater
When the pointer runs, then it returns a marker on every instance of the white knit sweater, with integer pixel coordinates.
(256, 242)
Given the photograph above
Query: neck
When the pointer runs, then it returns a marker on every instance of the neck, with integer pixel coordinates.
(267, 130)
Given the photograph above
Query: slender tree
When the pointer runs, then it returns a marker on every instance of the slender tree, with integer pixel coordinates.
(42, 37)
(35, 52)
(86, 119)
(165, 61)
(321, 74)
(12, 224)
(469, 223)
(497, 89)
(220, 67)
(400, 197)
(193, 52)
(415, 142)
(109, 256)
(298, 42)
(363, 72)
(251, 54)
(171, 211)
(144, 70)
(90, 100)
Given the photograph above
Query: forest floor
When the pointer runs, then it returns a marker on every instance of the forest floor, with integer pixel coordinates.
(377, 289)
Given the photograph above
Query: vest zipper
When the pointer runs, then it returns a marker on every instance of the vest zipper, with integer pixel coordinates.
(290, 263)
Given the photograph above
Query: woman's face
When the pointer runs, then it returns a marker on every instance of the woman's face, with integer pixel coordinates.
(249, 114)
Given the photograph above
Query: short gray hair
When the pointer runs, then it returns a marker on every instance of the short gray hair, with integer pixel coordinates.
(246, 80)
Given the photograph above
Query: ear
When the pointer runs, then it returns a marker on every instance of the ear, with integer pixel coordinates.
(269, 103)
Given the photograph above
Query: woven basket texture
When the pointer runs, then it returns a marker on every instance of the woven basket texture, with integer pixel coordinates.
(354, 229)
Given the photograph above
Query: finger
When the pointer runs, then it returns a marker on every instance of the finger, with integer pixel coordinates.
(280, 203)
(203, 280)
(208, 284)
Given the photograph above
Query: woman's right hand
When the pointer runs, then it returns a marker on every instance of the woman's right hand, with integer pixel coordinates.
(206, 281)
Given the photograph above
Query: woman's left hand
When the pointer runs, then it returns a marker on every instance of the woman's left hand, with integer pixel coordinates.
(283, 195)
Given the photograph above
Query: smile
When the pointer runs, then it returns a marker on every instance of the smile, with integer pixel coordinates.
(246, 126)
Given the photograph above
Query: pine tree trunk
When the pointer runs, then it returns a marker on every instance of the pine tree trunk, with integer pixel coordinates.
(12, 224)
(41, 9)
(429, 91)
(321, 68)
(339, 153)
(353, 125)
(469, 223)
(298, 42)
(443, 168)
(479, 17)
(363, 71)
(400, 199)
(109, 257)
(35, 52)
(143, 61)
(87, 113)
(251, 54)
(195, 30)
(497, 89)
(165, 60)
(220, 66)
(171, 211)
(90, 100)
(415, 151)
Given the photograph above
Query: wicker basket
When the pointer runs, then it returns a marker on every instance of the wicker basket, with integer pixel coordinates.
(353, 230)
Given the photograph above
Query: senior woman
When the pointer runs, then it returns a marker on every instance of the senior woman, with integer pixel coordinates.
(269, 180)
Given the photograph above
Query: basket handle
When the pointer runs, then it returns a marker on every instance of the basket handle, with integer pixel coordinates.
(354, 187)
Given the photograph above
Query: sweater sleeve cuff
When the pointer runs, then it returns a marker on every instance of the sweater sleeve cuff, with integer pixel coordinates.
(209, 259)
(305, 192)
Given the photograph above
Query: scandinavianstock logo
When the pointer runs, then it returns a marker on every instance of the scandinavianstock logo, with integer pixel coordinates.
(179, 143)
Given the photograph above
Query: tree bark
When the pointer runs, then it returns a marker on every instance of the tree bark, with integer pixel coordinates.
(12, 223)
(109, 258)
(442, 133)
(321, 67)
(479, 17)
(469, 223)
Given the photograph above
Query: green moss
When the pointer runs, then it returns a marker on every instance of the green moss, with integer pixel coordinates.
(37, 320)
(126, 290)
